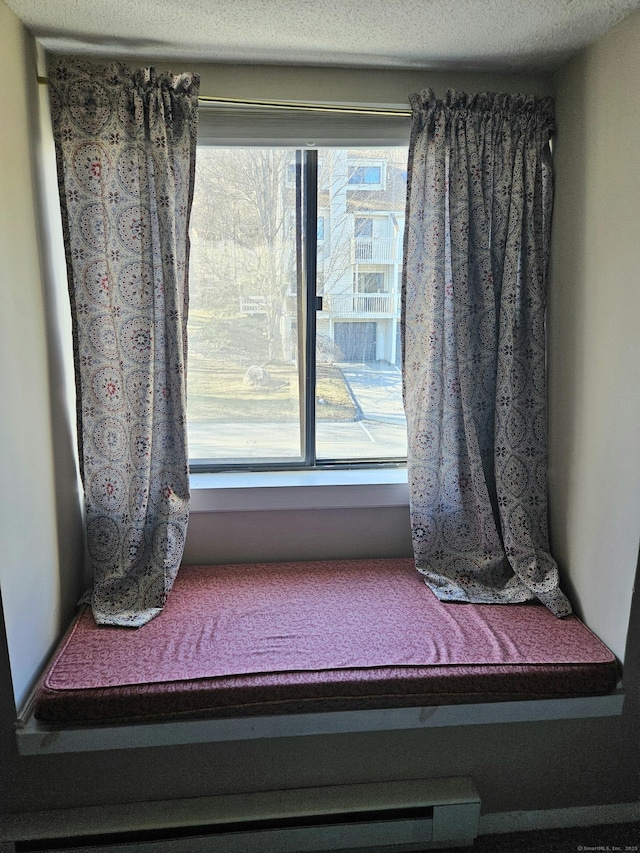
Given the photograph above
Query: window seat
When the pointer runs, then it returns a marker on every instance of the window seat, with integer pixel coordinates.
(295, 638)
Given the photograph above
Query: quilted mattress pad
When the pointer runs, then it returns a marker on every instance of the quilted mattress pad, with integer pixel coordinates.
(315, 636)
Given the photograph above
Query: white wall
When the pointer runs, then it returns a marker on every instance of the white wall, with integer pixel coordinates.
(28, 522)
(41, 519)
(594, 330)
(373, 87)
(321, 534)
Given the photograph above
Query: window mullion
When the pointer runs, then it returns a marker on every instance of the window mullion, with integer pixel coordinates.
(310, 203)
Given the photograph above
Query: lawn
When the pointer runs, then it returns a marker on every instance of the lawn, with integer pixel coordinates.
(219, 394)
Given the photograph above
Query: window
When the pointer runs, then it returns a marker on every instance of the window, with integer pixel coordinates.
(367, 176)
(370, 282)
(363, 227)
(288, 367)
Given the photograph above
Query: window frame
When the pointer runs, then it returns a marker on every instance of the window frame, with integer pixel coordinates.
(365, 278)
(306, 186)
(309, 187)
(363, 166)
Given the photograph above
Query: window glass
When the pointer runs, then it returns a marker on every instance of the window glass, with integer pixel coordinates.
(358, 329)
(371, 282)
(243, 389)
(249, 398)
(363, 227)
(365, 175)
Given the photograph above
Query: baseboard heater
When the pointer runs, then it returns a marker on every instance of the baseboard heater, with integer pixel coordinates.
(394, 817)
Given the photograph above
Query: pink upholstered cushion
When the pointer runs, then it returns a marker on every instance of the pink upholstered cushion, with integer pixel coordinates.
(240, 619)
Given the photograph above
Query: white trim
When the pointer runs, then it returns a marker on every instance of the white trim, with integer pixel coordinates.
(297, 126)
(247, 491)
(455, 795)
(36, 738)
(501, 822)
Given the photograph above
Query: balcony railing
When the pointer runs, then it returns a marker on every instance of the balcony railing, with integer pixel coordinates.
(354, 304)
(369, 250)
(336, 304)
(253, 305)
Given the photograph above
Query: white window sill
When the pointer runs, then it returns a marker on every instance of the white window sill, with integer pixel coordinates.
(247, 491)
(34, 738)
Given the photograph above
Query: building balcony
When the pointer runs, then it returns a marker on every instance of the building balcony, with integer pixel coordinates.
(369, 250)
(359, 304)
(253, 305)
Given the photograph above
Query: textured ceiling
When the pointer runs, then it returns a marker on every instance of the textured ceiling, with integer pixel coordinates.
(481, 34)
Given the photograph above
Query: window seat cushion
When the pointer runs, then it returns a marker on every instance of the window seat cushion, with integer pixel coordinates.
(315, 636)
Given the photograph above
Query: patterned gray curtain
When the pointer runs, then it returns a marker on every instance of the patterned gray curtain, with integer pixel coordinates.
(474, 294)
(125, 146)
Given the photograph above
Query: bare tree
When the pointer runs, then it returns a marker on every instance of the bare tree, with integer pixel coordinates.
(247, 225)
(244, 221)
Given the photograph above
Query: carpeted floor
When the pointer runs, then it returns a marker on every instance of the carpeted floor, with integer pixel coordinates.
(612, 838)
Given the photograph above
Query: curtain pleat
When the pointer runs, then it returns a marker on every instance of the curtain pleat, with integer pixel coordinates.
(473, 319)
(125, 147)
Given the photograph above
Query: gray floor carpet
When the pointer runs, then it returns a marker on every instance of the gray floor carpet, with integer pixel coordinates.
(612, 838)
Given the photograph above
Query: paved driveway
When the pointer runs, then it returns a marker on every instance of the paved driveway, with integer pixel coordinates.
(377, 389)
(379, 431)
